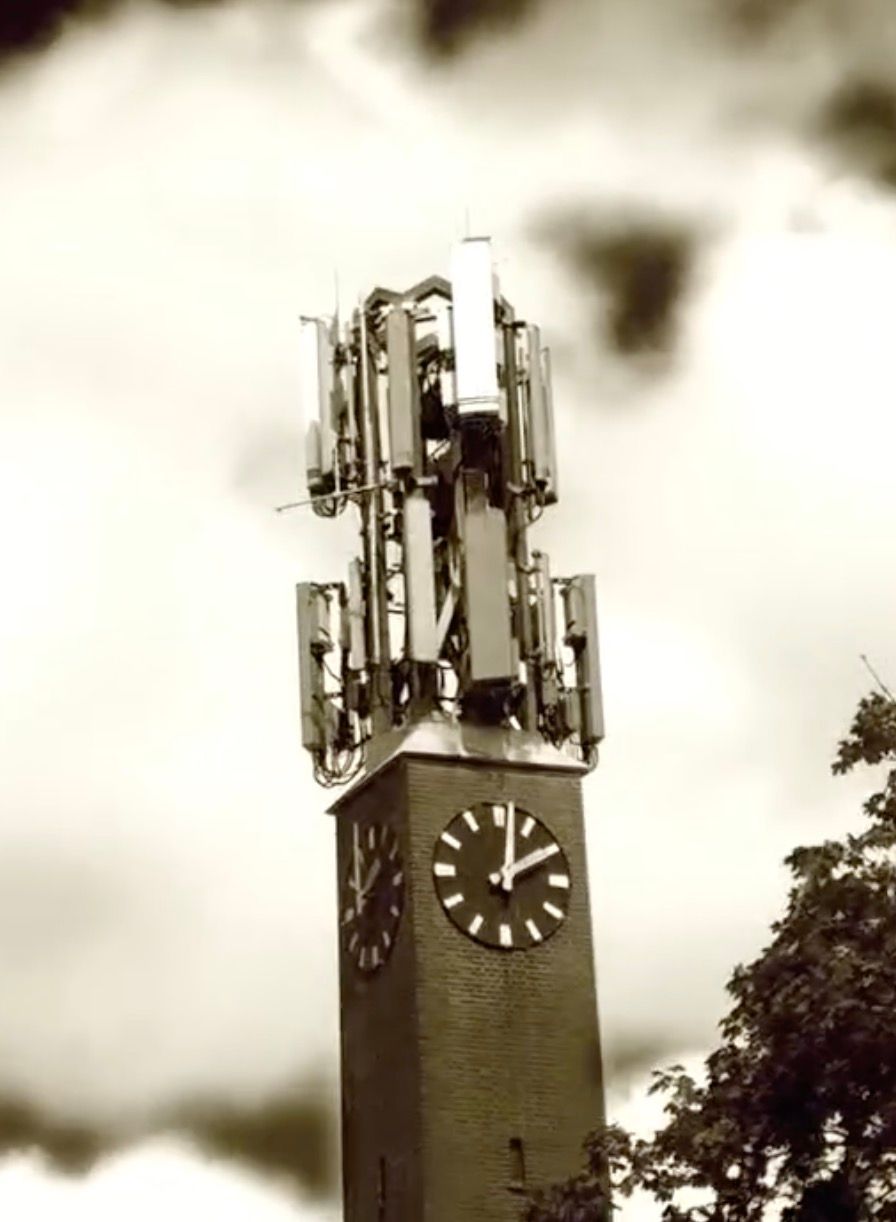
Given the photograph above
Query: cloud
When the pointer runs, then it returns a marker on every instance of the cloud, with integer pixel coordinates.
(69, 1147)
(290, 1137)
(846, 84)
(34, 25)
(639, 270)
(447, 26)
(859, 124)
(631, 1056)
(442, 27)
(164, 1176)
(757, 18)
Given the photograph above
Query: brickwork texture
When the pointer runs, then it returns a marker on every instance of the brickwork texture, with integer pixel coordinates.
(468, 1073)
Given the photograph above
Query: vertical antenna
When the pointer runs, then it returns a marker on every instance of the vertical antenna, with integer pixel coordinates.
(374, 535)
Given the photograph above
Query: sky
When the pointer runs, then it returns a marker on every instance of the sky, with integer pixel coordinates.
(696, 203)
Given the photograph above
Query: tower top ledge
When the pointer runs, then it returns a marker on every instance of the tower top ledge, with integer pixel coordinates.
(467, 742)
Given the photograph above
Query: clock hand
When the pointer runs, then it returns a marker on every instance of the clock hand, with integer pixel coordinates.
(531, 860)
(371, 877)
(355, 880)
(509, 837)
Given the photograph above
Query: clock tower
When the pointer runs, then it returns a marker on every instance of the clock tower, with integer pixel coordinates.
(436, 682)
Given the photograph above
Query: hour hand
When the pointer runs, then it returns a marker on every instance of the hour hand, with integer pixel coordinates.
(532, 860)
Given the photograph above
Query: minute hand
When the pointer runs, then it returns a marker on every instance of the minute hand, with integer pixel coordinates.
(531, 860)
(372, 876)
(509, 846)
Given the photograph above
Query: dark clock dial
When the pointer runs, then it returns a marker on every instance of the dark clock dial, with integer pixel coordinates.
(501, 876)
(372, 895)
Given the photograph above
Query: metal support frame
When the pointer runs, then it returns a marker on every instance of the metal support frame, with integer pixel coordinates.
(432, 411)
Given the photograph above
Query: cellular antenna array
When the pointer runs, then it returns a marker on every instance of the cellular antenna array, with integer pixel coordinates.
(431, 411)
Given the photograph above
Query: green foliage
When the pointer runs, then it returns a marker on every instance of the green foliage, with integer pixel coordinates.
(795, 1115)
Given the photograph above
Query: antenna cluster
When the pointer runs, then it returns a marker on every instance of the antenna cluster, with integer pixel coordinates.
(431, 411)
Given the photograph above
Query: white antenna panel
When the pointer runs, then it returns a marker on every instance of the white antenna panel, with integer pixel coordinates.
(475, 340)
(316, 384)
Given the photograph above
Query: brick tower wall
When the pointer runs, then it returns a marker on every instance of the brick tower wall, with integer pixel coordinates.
(454, 1050)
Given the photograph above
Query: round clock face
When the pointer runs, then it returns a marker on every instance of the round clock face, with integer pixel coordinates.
(372, 895)
(501, 876)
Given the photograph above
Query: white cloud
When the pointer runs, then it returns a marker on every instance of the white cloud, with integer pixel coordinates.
(158, 1178)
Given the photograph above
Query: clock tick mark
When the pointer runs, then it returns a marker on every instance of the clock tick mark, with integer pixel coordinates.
(558, 880)
(450, 840)
(506, 936)
(476, 924)
(499, 814)
(534, 931)
(453, 900)
(526, 829)
(444, 869)
(471, 821)
(552, 910)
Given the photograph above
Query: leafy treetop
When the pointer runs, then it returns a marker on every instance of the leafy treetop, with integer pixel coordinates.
(795, 1117)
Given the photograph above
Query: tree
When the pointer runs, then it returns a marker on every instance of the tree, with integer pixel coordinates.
(795, 1115)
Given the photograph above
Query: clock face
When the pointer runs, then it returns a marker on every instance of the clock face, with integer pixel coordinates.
(501, 876)
(372, 895)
